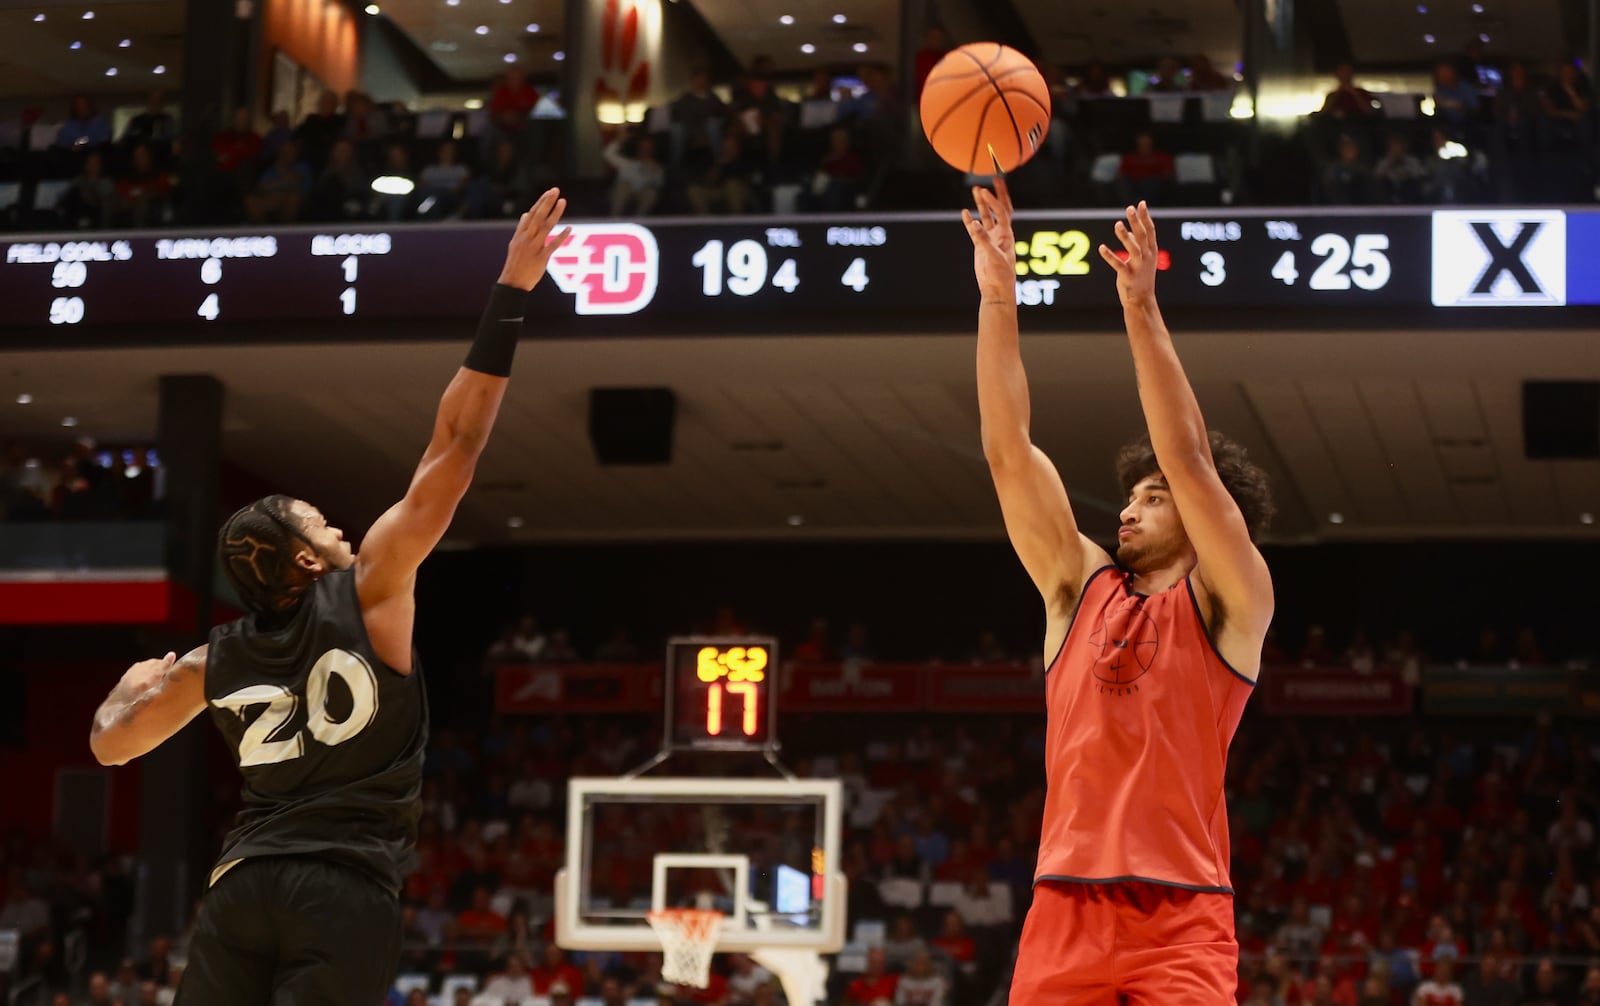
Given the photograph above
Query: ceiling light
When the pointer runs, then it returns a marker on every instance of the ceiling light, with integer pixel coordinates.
(838, 19)
(533, 29)
(88, 15)
(443, 46)
(482, 29)
(1477, 8)
(160, 69)
(75, 45)
(1428, 39)
(1336, 518)
(514, 522)
(1422, 8)
(125, 43)
(111, 71)
(505, 1)
(473, 104)
(24, 399)
(795, 520)
(1583, 518)
(32, 463)
(374, 9)
(38, 18)
(808, 48)
(1483, 38)
(860, 47)
(452, 3)
(511, 57)
(69, 421)
(558, 55)
(786, 19)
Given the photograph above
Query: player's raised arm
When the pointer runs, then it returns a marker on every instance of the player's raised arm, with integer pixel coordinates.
(154, 700)
(1229, 569)
(398, 542)
(1033, 499)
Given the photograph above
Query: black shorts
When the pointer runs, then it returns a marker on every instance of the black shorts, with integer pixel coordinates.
(293, 931)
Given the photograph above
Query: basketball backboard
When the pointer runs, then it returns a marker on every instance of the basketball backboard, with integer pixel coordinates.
(764, 852)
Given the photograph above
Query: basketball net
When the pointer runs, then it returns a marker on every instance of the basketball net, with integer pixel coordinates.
(688, 940)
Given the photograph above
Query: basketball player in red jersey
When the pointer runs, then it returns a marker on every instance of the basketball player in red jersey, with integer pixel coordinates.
(1152, 657)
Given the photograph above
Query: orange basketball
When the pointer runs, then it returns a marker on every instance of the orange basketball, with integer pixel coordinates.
(982, 97)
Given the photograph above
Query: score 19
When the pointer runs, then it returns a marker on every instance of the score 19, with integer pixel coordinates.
(1053, 253)
(738, 671)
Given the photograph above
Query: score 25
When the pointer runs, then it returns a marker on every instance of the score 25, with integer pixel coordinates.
(1053, 253)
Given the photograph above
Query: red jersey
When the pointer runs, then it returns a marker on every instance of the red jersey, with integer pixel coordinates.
(1142, 709)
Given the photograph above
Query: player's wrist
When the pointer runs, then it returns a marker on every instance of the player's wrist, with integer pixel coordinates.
(495, 346)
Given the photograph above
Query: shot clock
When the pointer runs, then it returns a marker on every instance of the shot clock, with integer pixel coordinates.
(721, 693)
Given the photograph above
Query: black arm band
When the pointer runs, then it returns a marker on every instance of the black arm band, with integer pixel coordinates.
(498, 331)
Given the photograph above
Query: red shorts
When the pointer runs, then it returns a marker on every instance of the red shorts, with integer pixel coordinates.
(1133, 942)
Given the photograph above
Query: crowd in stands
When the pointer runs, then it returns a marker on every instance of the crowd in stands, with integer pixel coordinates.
(1491, 130)
(83, 481)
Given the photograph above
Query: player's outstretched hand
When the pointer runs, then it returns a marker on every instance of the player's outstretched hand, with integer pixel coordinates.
(994, 246)
(533, 243)
(1136, 277)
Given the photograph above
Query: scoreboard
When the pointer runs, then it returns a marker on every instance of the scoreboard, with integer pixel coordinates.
(749, 275)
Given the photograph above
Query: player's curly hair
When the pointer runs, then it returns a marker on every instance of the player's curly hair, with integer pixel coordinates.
(257, 546)
(1245, 481)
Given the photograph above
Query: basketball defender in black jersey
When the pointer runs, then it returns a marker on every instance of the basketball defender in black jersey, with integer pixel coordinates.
(318, 692)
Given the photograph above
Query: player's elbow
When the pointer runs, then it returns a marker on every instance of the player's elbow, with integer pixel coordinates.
(103, 745)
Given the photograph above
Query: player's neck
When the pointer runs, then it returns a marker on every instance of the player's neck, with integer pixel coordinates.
(1154, 581)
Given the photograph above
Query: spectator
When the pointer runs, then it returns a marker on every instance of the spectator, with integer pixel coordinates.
(157, 966)
(560, 650)
(276, 136)
(342, 190)
(698, 117)
(511, 105)
(955, 944)
(921, 985)
(91, 201)
(988, 649)
(555, 971)
(1299, 936)
(85, 129)
(1169, 77)
(1361, 656)
(480, 924)
(1096, 82)
(982, 905)
(499, 191)
(1456, 169)
(513, 984)
(1442, 989)
(875, 985)
(1346, 100)
(1519, 128)
(442, 186)
(126, 987)
(1571, 833)
(639, 178)
(237, 148)
(1146, 172)
(166, 994)
(817, 649)
(282, 189)
(154, 126)
(1455, 102)
(365, 123)
(1491, 983)
(435, 920)
(1568, 108)
(840, 174)
(1548, 988)
(618, 648)
(903, 943)
(321, 130)
(99, 990)
(935, 45)
(1399, 174)
(144, 194)
(725, 184)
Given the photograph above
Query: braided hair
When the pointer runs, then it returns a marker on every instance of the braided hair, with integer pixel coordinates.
(257, 546)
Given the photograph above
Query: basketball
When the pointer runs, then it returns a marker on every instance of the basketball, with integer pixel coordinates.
(985, 97)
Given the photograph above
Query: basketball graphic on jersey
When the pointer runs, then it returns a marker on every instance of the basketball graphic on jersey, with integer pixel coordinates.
(1125, 643)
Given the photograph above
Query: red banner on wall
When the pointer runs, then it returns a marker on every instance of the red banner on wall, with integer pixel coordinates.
(836, 688)
(1333, 691)
(985, 688)
(577, 688)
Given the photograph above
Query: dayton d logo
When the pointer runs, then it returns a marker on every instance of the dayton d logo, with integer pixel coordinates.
(1499, 258)
(611, 268)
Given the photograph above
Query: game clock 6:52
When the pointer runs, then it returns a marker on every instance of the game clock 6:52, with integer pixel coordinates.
(719, 692)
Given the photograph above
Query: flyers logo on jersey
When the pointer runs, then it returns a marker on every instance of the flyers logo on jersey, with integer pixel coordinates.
(610, 268)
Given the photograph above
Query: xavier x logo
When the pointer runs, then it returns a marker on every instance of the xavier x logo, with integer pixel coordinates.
(1499, 258)
(1506, 259)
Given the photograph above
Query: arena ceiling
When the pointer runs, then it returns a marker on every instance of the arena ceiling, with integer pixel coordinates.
(1400, 434)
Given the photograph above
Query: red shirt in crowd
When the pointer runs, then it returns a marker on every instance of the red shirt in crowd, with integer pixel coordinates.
(1137, 167)
(865, 991)
(567, 974)
(235, 150)
(960, 948)
(509, 104)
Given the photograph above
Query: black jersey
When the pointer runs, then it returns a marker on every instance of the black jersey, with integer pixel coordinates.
(329, 739)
